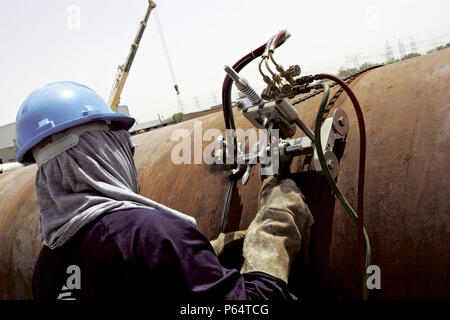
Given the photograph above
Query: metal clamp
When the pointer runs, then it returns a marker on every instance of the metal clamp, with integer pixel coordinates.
(332, 129)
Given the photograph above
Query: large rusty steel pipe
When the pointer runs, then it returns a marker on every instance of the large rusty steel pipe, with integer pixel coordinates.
(407, 201)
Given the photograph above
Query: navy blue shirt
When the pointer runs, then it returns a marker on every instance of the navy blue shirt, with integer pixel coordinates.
(144, 254)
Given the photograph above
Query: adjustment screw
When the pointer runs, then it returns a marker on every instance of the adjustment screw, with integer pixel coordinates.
(330, 164)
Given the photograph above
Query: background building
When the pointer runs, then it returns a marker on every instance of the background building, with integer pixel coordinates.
(7, 147)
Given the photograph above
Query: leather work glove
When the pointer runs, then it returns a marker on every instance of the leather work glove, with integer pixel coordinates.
(274, 236)
(227, 240)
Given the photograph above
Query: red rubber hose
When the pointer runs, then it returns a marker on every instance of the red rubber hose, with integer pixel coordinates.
(362, 163)
(278, 37)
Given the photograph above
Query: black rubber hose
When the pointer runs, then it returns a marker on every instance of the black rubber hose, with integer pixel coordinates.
(238, 66)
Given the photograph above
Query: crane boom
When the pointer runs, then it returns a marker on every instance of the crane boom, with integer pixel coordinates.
(122, 70)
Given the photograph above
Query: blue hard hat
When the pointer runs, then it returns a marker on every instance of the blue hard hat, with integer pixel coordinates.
(56, 107)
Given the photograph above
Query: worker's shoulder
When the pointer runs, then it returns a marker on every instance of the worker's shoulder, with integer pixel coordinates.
(142, 216)
(136, 230)
(143, 222)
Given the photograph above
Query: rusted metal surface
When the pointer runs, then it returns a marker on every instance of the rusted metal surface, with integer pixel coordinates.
(18, 231)
(407, 202)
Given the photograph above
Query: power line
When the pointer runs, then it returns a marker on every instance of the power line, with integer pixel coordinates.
(380, 56)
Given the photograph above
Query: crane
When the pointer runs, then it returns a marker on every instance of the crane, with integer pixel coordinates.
(124, 69)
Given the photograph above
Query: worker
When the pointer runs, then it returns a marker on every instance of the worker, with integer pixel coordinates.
(102, 240)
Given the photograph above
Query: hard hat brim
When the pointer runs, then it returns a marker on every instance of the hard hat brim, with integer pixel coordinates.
(121, 121)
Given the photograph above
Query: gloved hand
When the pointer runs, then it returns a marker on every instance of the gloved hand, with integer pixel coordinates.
(227, 240)
(274, 236)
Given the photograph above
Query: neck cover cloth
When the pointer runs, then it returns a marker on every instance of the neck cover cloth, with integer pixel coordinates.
(95, 177)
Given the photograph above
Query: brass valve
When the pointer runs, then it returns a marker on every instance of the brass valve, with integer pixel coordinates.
(294, 70)
(270, 92)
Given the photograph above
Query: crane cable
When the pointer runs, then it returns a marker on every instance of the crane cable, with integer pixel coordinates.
(166, 51)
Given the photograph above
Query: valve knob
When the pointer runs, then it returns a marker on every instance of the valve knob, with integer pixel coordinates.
(293, 70)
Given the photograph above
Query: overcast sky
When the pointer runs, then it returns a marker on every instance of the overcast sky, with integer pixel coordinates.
(44, 41)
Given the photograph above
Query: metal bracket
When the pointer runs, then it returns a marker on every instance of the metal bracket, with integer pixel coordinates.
(269, 112)
(282, 115)
(332, 129)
